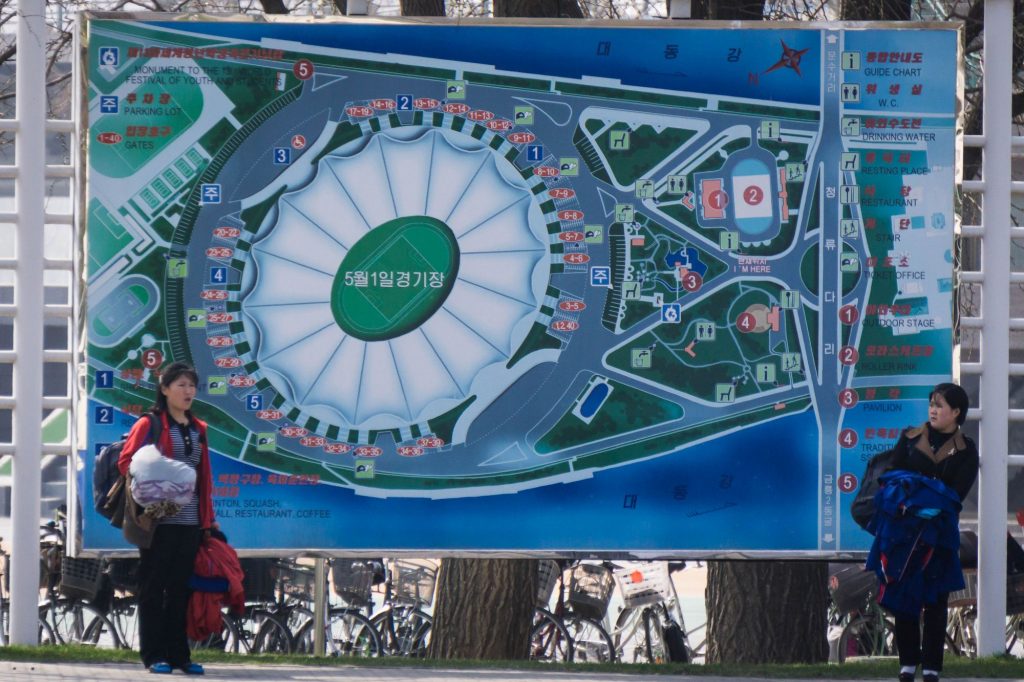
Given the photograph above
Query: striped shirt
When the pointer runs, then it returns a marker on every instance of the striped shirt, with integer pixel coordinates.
(185, 447)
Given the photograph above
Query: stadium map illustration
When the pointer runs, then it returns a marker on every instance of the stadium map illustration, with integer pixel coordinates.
(626, 287)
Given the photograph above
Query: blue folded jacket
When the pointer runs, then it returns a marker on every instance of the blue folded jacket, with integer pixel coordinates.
(916, 551)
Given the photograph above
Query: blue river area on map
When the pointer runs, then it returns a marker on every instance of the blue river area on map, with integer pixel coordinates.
(878, 424)
(760, 496)
(711, 61)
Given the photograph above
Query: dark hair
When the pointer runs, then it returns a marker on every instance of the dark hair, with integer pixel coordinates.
(168, 376)
(955, 397)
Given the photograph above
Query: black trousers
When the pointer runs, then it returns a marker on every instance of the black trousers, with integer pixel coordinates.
(164, 571)
(923, 646)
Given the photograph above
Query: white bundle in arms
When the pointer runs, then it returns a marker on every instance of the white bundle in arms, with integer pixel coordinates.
(156, 478)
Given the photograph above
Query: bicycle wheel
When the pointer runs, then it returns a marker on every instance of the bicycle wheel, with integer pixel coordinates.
(294, 616)
(654, 647)
(100, 632)
(961, 634)
(349, 633)
(1015, 635)
(549, 640)
(590, 641)
(76, 622)
(403, 631)
(866, 636)
(413, 630)
(272, 635)
(226, 639)
(44, 637)
(125, 618)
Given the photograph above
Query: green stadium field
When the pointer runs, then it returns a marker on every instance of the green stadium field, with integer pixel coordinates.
(368, 298)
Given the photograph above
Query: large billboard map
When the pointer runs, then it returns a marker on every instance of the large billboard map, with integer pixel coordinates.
(486, 287)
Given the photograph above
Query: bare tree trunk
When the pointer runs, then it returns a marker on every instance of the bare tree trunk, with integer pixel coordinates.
(484, 609)
(274, 6)
(538, 8)
(767, 611)
(422, 8)
(876, 10)
(749, 10)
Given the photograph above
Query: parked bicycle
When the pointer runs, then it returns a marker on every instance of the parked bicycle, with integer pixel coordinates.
(70, 584)
(45, 632)
(648, 626)
(347, 632)
(402, 621)
(549, 639)
(260, 627)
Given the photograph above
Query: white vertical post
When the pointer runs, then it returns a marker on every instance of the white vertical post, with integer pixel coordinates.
(679, 9)
(357, 8)
(30, 151)
(320, 616)
(995, 330)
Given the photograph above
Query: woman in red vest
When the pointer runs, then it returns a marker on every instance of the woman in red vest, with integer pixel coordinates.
(166, 564)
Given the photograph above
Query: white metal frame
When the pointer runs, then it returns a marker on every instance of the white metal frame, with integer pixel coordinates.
(30, 127)
(30, 151)
(28, 311)
(997, 189)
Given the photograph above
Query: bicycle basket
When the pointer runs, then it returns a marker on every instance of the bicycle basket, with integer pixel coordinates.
(590, 590)
(259, 580)
(1014, 593)
(124, 574)
(353, 581)
(969, 595)
(297, 581)
(412, 582)
(851, 586)
(643, 583)
(80, 578)
(547, 577)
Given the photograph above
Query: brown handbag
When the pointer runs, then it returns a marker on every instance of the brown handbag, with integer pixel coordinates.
(137, 528)
(113, 508)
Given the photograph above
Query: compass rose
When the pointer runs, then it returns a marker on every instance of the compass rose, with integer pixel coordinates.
(790, 59)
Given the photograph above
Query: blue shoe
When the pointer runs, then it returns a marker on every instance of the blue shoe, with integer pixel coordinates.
(161, 668)
(193, 669)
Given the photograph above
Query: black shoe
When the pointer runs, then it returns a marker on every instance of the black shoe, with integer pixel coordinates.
(906, 677)
(930, 678)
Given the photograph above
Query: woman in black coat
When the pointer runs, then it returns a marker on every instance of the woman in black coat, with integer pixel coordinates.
(938, 449)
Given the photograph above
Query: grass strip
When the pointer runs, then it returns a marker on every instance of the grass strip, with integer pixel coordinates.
(1005, 667)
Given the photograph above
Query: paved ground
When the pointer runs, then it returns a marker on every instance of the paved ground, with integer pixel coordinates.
(11, 671)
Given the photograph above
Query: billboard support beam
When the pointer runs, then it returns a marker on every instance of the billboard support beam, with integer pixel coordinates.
(679, 9)
(995, 332)
(30, 186)
(357, 8)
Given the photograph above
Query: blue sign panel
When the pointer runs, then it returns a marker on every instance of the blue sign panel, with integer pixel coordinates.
(653, 283)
